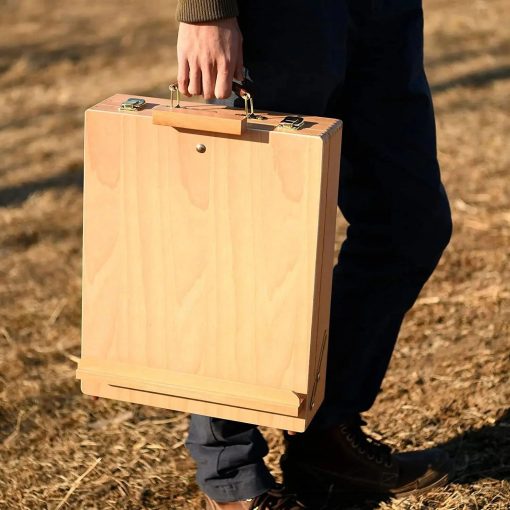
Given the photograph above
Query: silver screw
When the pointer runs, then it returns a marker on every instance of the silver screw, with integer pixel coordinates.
(201, 148)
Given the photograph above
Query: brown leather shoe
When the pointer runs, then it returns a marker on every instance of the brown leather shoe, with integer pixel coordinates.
(274, 499)
(345, 461)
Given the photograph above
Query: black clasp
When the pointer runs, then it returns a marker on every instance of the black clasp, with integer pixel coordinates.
(291, 122)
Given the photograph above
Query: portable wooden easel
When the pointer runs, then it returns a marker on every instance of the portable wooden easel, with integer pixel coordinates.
(207, 258)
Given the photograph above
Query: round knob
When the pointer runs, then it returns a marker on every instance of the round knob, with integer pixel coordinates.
(201, 148)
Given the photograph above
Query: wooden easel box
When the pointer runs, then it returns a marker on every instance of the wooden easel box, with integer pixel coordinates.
(207, 276)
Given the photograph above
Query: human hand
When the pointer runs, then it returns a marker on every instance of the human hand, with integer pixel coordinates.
(209, 56)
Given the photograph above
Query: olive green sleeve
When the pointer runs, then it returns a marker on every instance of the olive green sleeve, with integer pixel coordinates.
(194, 11)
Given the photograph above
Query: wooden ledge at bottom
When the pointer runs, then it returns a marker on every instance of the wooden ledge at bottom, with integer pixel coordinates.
(193, 387)
(91, 386)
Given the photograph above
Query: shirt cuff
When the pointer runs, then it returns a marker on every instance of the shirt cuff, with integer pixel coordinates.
(195, 11)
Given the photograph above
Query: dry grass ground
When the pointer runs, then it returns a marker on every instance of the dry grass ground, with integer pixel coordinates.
(448, 382)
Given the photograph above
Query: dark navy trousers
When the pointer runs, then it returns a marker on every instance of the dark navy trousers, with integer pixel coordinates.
(360, 61)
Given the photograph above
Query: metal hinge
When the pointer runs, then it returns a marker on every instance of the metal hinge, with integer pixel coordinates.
(318, 370)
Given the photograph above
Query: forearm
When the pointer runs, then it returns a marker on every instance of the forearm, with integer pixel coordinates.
(195, 11)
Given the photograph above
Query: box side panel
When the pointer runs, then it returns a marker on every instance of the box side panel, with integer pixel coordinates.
(314, 342)
(316, 394)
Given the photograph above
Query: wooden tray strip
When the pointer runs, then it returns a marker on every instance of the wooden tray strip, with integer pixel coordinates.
(192, 386)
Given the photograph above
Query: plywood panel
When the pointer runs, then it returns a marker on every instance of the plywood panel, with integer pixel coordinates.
(209, 264)
(316, 395)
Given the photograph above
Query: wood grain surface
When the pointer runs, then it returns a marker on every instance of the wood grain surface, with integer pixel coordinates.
(227, 121)
(211, 266)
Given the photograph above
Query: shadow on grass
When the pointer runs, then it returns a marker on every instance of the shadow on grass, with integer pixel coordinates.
(15, 195)
(476, 79)
(477, 455)
(482, 453)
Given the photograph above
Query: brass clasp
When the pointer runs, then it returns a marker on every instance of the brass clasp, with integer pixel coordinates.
(132, 104)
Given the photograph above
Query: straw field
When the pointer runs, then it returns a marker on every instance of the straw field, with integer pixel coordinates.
(448, 383)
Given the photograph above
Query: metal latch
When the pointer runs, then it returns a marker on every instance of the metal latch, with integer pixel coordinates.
(236, 88)
(249, 111)
(318, 369)
(132, 104)
(292, 123)
(174, 89)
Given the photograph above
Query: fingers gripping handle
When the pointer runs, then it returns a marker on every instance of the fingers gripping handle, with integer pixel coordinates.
(215, 120)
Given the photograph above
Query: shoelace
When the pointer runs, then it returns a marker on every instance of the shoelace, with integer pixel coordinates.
(365, 444)
(276, 499)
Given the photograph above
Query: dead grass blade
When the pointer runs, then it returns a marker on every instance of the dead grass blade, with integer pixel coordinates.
(77, 482)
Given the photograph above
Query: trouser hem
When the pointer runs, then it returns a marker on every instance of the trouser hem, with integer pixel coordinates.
(257, 481)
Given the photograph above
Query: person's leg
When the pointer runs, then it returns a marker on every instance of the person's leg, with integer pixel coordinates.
(229, 457)
(399, 223)
(294, 54)
(391, 195)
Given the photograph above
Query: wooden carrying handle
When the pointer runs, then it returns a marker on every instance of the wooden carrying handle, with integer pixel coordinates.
(209, 118)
